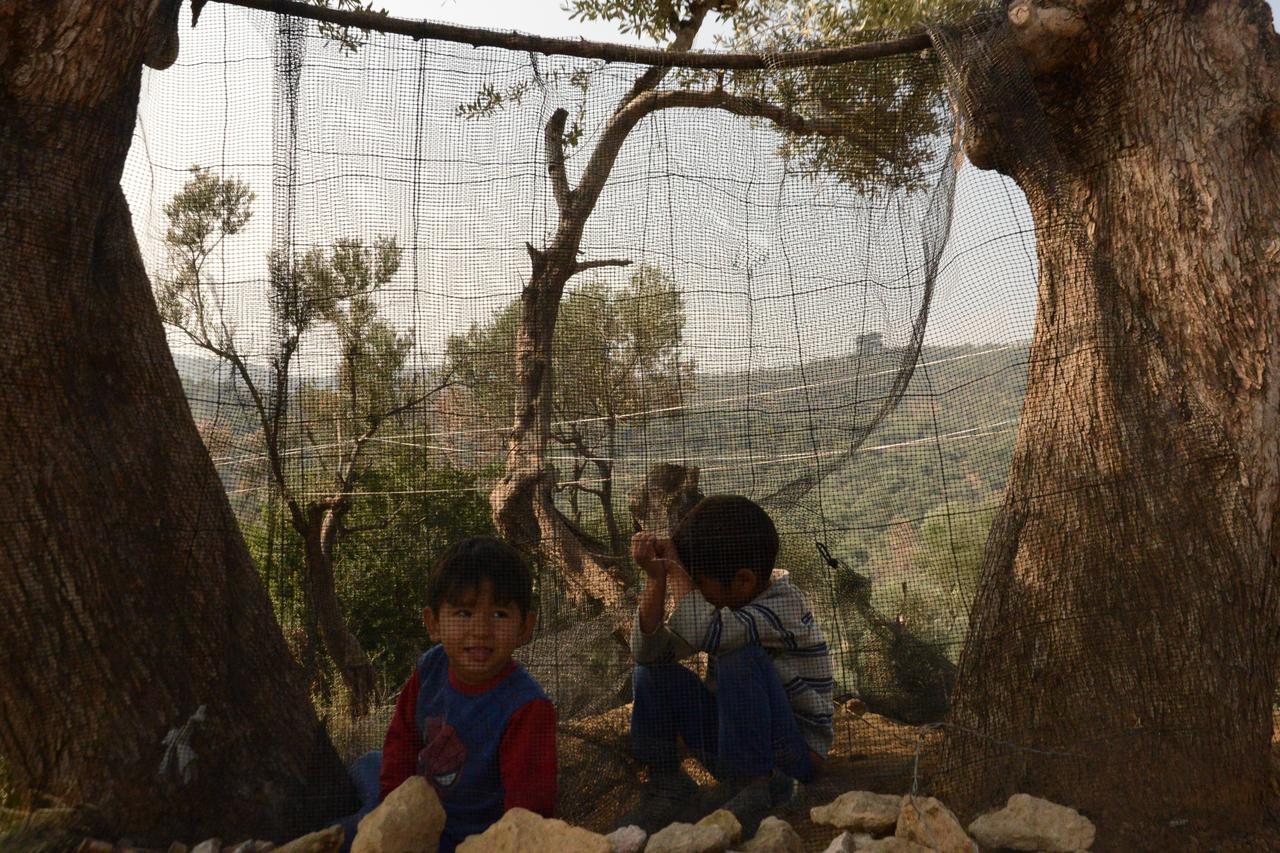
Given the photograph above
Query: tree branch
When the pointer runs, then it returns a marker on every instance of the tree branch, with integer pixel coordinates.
(685, 33)
(626, 118)
(347, 474)
(606, 262)
(554, 139)
(742, 105)
(478, 37)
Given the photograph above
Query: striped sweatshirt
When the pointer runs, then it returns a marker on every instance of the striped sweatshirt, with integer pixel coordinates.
(778, 619)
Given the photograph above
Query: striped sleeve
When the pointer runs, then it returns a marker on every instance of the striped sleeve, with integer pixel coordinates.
(662, 646)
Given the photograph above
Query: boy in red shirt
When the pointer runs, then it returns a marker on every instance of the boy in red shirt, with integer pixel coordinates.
(470, 719)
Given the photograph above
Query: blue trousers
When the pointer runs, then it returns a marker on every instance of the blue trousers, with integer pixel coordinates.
(744, 729)
(364, 775)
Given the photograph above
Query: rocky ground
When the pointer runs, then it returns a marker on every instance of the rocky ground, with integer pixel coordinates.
(599, 781)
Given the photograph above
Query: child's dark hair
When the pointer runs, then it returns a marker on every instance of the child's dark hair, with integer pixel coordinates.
(464, 568)
(723, 534)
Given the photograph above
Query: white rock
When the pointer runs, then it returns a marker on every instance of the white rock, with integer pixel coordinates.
(842, 843)
(726, 820)
(774, 836)
(522, 831)
(209, 845)
(1030, 823)
(688, 838)
(627, 839)
(930, 824)
(409, 820)
(860, 811)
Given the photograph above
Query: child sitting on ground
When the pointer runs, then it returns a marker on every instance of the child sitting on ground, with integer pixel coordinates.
(763, 719)
(470, 719)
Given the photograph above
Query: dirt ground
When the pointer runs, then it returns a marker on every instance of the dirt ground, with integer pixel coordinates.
(599, 781)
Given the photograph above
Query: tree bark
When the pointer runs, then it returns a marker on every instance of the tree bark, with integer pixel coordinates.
(319, 532)
(130, 600)
(1123, 641)
(523, 501)
(617, 544)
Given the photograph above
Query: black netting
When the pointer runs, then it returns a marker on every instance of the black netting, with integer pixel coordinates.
(418, 292)
(811, 325)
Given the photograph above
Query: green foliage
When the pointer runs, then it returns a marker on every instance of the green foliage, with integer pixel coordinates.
(618, 354)
(891, 111)
(415, 509)
(345, 38)
(650, 19)
(491, 99)
(616, 360)
(615, 353)
(205, 212)
(331, 288)
(337, 287)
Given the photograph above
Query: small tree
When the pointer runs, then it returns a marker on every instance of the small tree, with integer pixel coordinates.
(318, 290)
(820, 112)
(618, 362)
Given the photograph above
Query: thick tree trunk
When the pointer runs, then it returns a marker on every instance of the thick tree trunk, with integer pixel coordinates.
(523, 501)
(130, 600)
(1125, 631)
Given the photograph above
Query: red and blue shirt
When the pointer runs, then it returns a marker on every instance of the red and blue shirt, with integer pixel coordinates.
(485, 748)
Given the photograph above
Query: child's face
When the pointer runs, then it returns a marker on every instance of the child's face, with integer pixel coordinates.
(479, 634)
(740, 591)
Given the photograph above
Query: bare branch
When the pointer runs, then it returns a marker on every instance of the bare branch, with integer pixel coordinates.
(686, 32)
(626, 118)
(554, 139)
(477, 37)
(606, 262)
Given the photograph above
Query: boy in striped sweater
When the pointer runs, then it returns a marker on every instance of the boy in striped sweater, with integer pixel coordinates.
(762, 720)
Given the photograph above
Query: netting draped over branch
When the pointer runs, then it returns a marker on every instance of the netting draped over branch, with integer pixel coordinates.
(757, 284)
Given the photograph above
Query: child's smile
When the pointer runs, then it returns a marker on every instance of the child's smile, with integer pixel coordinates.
(479, 634)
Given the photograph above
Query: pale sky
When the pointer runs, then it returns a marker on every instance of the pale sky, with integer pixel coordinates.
(215, 108)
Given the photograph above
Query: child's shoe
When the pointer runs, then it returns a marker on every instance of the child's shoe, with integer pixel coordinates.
(750, 805)
(753, 801)
(664, 799)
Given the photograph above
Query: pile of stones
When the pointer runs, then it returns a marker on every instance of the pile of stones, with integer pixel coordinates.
(888, 823)
(411, 818)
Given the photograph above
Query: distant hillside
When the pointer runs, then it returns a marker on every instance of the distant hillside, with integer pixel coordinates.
(949, 439)
(944, 448)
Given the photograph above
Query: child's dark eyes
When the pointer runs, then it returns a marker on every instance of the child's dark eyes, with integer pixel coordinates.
(497, 614)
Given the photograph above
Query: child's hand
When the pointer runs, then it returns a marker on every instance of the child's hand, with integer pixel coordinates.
(654, 555)
(678, 580)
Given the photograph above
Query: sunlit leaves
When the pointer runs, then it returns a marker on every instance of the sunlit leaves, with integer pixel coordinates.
(490, 100)
(204, 213)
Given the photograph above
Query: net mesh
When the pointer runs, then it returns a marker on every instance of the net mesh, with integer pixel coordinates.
(418, 292)
(837, 333)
